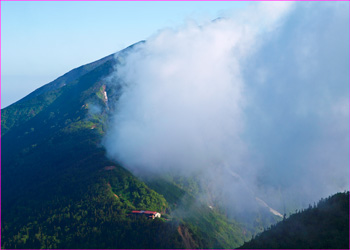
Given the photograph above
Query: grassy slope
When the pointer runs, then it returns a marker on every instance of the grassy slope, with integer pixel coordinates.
(209, 228)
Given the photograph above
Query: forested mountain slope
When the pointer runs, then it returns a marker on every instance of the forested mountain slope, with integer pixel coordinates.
(56, 189)
(60, 191)
(325, 225)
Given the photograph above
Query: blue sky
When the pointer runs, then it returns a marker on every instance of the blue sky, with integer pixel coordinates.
(42, 40)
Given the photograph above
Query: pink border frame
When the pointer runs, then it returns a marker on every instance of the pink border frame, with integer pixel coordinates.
(155, 1)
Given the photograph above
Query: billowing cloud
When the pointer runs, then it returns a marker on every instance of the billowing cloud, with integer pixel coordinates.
(254, 103)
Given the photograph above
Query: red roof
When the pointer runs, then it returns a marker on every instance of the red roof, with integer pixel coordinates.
(143, 212)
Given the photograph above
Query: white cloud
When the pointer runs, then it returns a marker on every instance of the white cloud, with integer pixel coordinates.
(258, 95)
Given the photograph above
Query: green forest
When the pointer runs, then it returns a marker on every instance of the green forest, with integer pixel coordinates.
(324, 225)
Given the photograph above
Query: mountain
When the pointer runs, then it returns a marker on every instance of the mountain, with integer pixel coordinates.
(322, 226)
(58, 189)
(67, 78)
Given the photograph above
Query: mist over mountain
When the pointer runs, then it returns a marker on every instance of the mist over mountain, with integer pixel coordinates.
(221, 127)
(254, 103)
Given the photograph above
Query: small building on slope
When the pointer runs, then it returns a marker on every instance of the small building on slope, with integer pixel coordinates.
(148, 214)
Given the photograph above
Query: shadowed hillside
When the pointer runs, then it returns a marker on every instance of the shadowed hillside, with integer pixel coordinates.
(325, 225)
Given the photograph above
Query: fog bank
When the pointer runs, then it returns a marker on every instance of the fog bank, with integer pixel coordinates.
(255, 104)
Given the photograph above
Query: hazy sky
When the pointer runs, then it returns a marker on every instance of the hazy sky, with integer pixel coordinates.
(40, 41)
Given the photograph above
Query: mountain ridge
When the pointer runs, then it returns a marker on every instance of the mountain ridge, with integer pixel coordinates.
(59, 190)
(320, 226)
(56, 192)
(67, 78)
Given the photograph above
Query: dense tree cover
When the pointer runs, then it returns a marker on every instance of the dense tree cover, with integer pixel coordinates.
(325, 225)
(97, 219)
